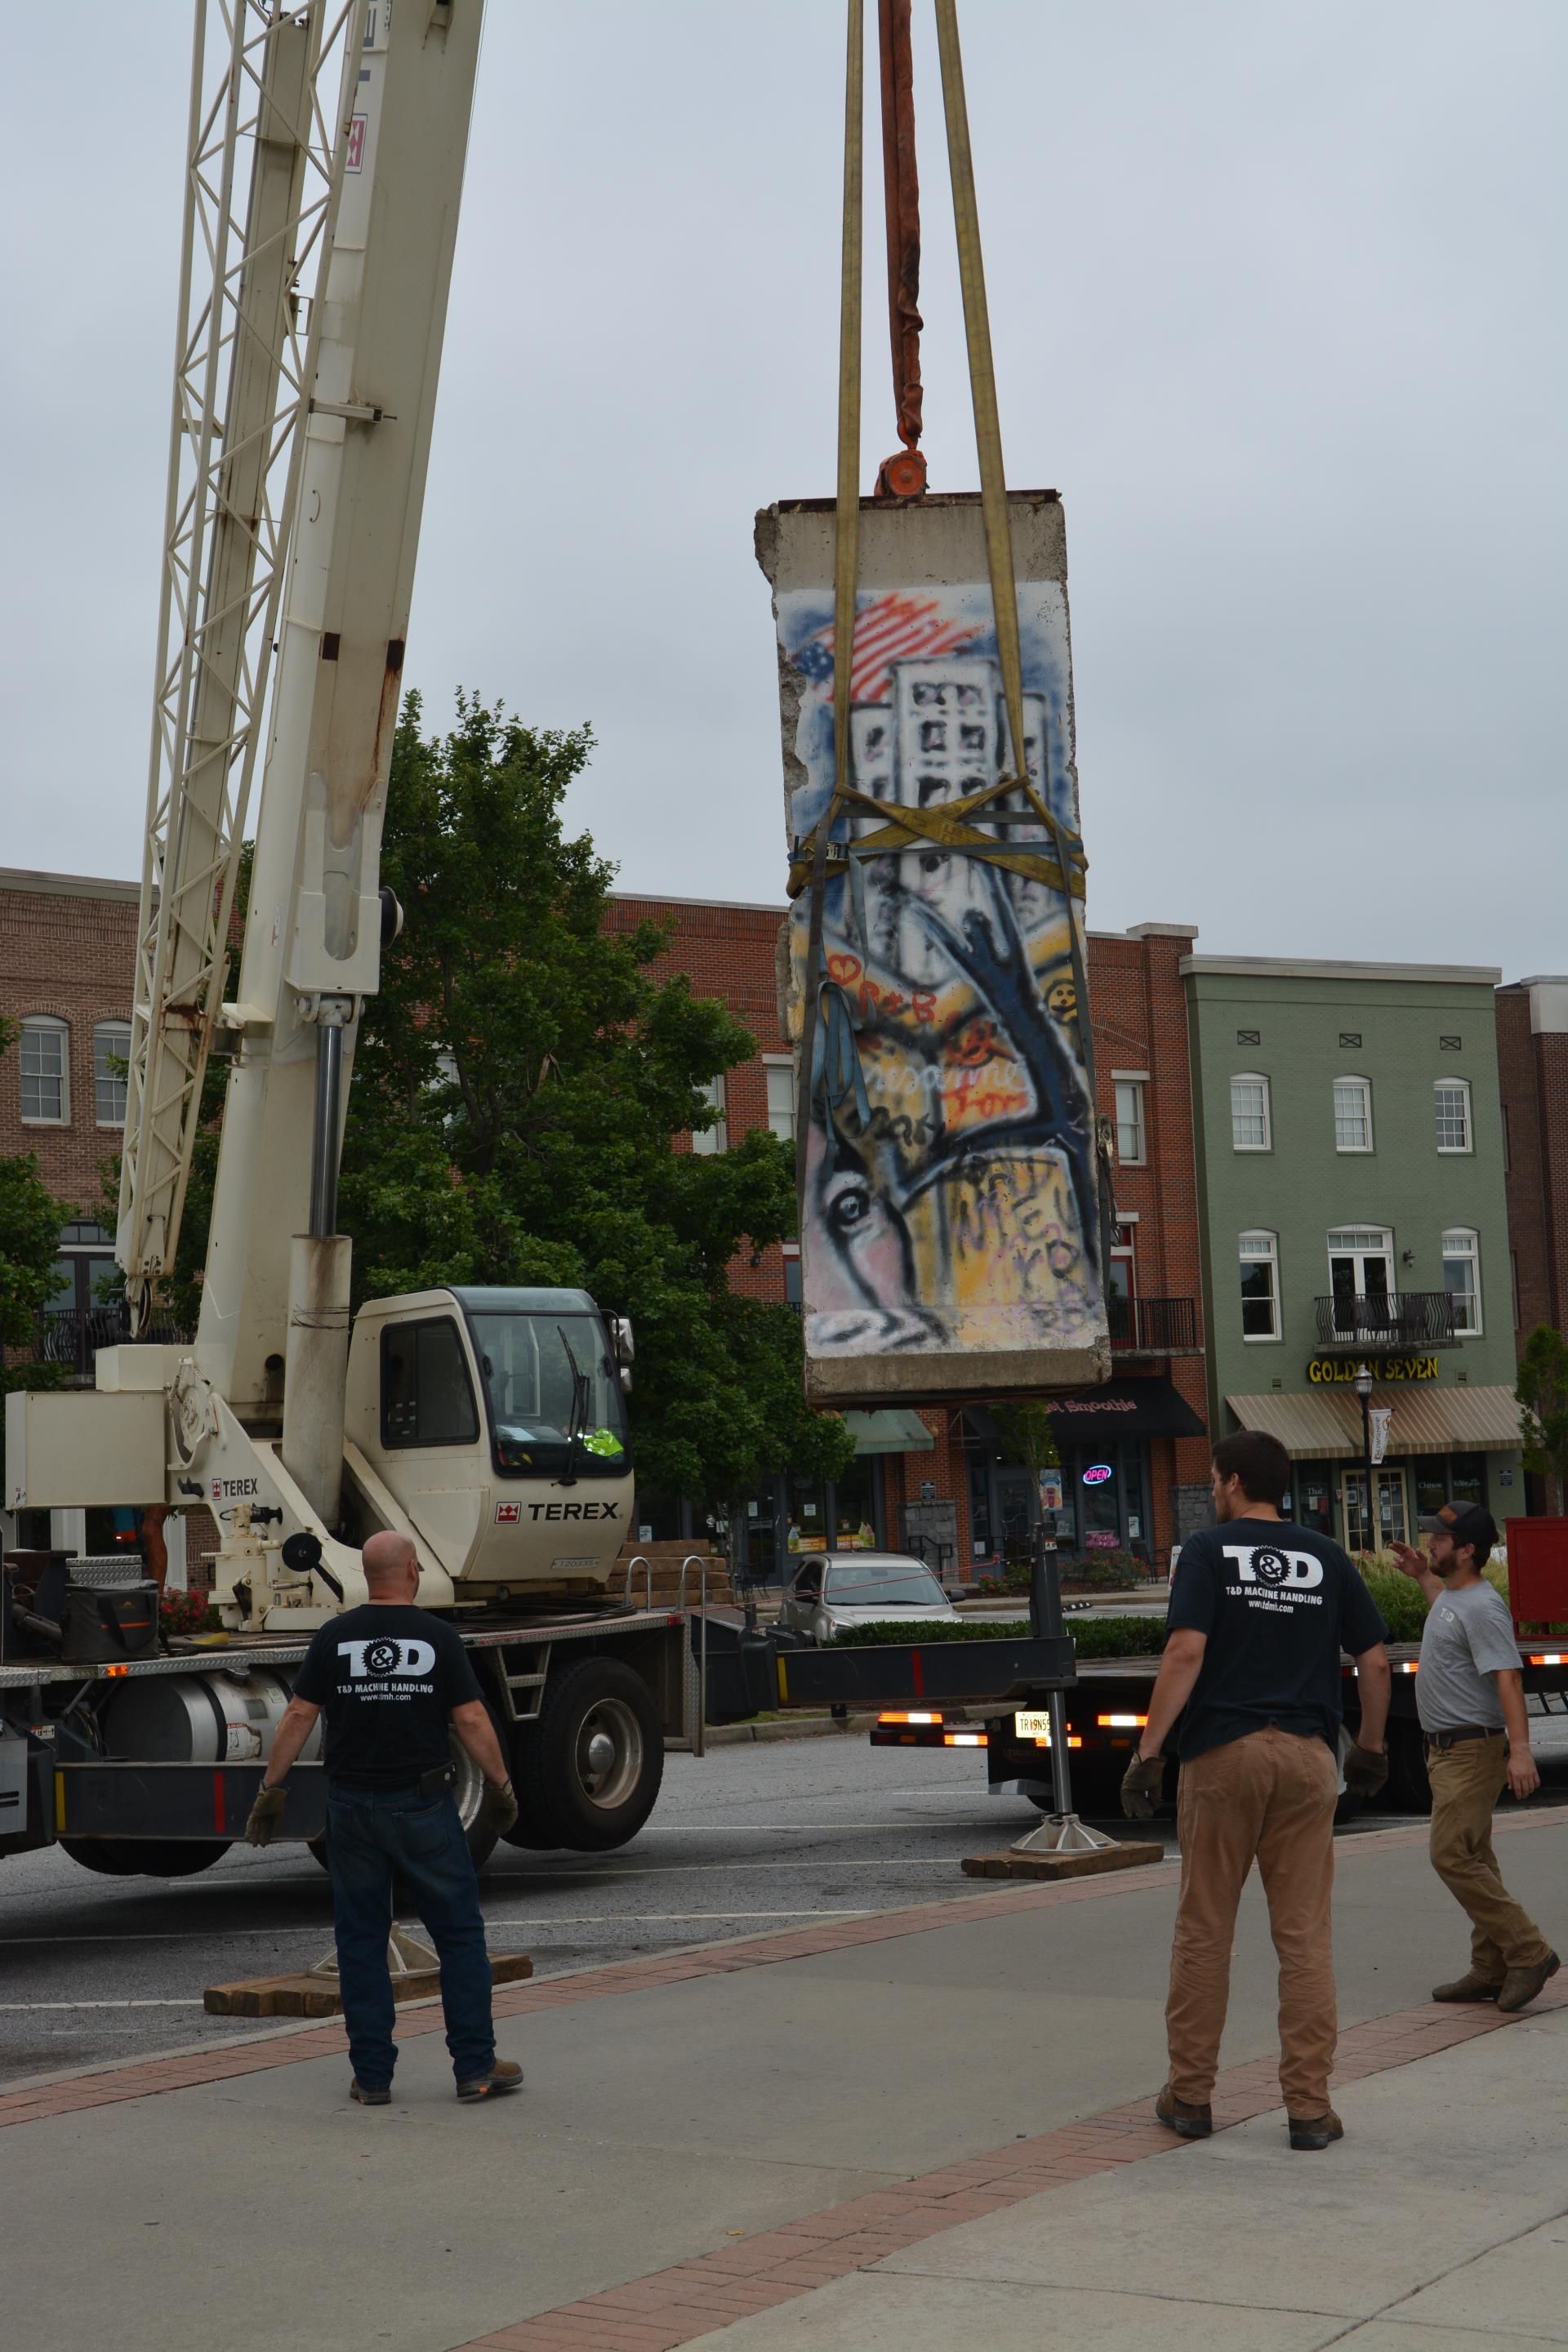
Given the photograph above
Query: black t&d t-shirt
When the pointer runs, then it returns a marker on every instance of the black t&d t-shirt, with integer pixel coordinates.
(1279, 1604)
(386, 1680)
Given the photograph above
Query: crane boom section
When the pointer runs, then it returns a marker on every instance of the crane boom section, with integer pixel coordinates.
(313, 937)
(271, 100)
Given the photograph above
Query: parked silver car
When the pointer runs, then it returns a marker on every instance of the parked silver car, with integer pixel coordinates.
(833, 1590)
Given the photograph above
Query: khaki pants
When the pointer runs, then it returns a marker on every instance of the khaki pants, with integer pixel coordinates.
(1269, 1797)
(1466, 1781)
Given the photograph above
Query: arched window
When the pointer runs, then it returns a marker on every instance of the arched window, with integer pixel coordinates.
(1352, 1114)
(111, 1051)
(1259, 1286)
(46, 1071)
(1451, 1102)
(1462, 1276)
(1250, 1128)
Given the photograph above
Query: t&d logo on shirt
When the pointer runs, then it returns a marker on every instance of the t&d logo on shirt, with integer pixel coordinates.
(377, 1659)
(1280, 1571)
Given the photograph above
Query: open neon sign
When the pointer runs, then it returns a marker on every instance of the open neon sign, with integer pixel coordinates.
(1097, 1474)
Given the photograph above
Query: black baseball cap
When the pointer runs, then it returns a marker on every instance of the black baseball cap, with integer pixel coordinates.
(1465, 1522)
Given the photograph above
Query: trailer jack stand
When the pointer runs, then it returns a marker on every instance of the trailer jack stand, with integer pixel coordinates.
(1064, 1847)
(313, 1992)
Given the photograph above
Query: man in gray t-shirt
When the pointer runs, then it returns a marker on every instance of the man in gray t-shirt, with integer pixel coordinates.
(1469, 1695)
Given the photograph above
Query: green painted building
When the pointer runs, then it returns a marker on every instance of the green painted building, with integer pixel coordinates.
(1351, 1146)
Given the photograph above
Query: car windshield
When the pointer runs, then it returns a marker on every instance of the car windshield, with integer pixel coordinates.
(884, 1583)
(530, 1364)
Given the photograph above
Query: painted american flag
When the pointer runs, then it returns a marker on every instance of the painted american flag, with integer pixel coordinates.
(890, 628)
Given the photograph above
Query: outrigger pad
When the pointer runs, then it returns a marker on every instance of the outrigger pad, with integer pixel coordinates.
(1072, 1863)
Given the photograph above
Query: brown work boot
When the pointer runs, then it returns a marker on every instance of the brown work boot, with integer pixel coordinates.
(1471, 1986)
(506, 2075)
(1521, 1986)
(370, 2094)
(1180, 2115)
(1314, 2131)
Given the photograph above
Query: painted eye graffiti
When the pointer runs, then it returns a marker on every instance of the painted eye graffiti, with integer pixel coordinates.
(848, 1209)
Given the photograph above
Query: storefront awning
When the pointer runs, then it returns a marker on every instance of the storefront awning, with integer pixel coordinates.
(1425, 1421)
(1126, 1407)
(897, 1429)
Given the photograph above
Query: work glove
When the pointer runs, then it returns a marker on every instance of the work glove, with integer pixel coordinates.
(500, 1806)
(265, 1817)
(1365, 1771)
(1142, 1785)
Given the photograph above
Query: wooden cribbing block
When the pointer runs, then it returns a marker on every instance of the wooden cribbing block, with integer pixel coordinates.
(307, 1995)
(1130, 1855)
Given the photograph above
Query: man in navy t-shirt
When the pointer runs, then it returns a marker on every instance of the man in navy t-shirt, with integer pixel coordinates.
(395, 1684)
(1260, 1611)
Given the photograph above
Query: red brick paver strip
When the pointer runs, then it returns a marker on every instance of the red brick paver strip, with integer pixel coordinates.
(141, 2079)
(691, 2299)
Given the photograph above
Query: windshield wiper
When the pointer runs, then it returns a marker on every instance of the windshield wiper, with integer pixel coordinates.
(580, 1393)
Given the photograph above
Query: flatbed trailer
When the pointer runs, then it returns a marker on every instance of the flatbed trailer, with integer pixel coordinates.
(148, 1765)
(1107, 1707)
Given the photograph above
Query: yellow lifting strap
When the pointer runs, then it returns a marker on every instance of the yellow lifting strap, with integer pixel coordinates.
(947, 823)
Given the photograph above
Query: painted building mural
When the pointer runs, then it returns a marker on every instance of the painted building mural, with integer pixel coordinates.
(950, 1202)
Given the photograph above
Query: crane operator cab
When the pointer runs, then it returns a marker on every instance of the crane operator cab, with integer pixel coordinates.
(496, 1419)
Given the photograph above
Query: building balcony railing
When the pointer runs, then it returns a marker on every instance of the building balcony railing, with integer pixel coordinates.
(68, 1337)
(1152, 1326)
(1388, 1318)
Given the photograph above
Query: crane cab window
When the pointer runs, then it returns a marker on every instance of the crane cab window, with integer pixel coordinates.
(554, 1396)
(427, 1396)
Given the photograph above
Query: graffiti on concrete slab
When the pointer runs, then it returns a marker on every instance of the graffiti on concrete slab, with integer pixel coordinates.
(949, 1198)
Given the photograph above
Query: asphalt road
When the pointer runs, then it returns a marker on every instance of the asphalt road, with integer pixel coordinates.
(753, 1837)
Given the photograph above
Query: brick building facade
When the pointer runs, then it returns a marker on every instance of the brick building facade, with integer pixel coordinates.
(1532, 1077)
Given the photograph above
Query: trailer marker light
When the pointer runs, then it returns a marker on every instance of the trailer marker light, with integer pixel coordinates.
(1121, 1722)
(115, 1672)
(1550, 1658)
(1073, 1740)
(898, 1715)
(965, 1739)
(1413, 1667)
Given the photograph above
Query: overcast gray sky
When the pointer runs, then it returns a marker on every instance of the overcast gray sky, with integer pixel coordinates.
(1277, 297)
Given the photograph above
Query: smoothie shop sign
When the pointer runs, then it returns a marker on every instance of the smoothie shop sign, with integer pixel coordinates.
(1326, 1372)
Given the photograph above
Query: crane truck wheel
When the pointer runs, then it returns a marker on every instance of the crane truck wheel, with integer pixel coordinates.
(146, 1858)
(589, 1776)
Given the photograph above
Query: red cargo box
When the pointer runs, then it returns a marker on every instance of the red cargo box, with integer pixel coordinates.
(1538, 1570)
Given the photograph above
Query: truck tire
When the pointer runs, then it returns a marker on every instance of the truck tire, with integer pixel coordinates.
(146, 1858)
(590, 1775)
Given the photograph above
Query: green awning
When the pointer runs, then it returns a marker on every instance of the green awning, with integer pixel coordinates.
(898, 1429)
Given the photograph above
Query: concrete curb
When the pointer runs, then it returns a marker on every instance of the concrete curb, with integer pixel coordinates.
(810, 1726)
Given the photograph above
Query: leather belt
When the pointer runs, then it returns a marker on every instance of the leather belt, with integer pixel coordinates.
(1465, 1731)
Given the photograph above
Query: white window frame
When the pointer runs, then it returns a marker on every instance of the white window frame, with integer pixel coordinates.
(45, 1024)
(706, 1141)
(1461, 1087)
(1252, 1078)
(1134, 1122)
(120, 1050)
(1351, 1241)
(1468, 1250)
(785, 1063)
(1268, 1256)
(1364, 1086)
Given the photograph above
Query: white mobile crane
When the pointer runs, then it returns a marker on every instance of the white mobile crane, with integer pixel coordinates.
(325, 167)
(324, 171)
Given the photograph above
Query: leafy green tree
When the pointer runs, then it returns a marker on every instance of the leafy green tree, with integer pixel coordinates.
(30, 1223)
(1025, 1430)
(1542, 1393)
(518, 1089)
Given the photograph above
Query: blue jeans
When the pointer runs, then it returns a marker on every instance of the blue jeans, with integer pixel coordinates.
(371, 1834)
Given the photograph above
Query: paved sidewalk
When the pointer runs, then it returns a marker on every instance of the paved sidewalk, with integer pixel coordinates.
(838, 2135)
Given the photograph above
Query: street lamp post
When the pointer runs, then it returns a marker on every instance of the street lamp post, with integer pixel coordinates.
(1363, 1390)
